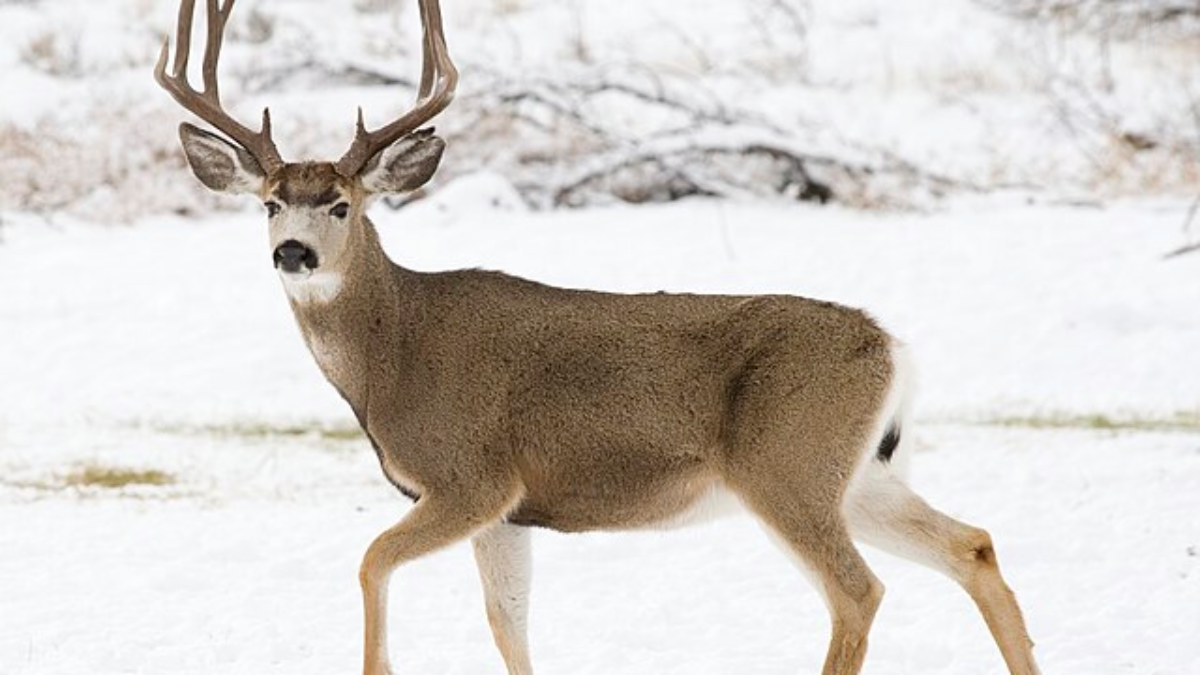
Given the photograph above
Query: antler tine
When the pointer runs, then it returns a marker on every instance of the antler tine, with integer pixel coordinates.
(427, 65)
(183, 37)
(217, 16)
(206, 104)
(439, 78)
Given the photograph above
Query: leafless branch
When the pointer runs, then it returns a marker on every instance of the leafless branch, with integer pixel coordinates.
(1187, 232)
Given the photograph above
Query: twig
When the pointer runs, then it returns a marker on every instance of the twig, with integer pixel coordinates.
(795, 178)
(1187, 229)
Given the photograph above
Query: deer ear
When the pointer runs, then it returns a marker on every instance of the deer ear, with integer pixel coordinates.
(219, 164)
(405, 165)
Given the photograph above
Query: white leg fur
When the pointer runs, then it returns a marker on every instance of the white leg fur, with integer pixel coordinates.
(503, 556)
(879, 507)
(715, 503)
(881, 511)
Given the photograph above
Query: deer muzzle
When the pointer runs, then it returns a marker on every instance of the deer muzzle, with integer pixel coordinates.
(292, 256)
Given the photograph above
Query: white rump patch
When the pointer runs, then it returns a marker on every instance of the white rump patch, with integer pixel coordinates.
(308, 287)
(896, 409)
(900, 399)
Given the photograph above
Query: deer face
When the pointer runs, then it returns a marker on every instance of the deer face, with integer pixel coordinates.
(315, 214)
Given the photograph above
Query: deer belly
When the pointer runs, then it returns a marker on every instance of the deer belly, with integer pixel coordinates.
(581, 510)
(715, 503)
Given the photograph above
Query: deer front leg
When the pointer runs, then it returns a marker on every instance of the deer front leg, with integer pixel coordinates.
(438, 520)
(502, 553)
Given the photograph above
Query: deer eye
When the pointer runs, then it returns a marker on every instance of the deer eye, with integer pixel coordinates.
(340, 210)
(272, 209)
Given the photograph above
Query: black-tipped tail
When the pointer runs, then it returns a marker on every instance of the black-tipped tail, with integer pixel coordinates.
(887, 447)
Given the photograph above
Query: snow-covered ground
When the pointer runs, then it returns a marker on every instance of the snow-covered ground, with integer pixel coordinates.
(1059, 353)
(256, 573)
(1059, 398)
(1011, 309)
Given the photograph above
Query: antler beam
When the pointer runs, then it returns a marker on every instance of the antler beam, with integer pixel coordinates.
(206, 104)
(439, 78)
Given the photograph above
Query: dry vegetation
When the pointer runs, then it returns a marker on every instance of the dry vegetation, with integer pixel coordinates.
(322, 433)
(114, 478)
(1184, 421)
(93, 479)
(1082, 52)
(54, 53)
(583, 129)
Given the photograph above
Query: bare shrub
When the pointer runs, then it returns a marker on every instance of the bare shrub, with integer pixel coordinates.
(1091, 62)
(571, 122)
(124, 164)
(783, 26)
(620, 134)
(259, 28)
(587, 132)
(374, 6)
(54, 52)
(1115, 18)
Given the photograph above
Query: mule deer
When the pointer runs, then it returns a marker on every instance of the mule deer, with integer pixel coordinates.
(500, 404)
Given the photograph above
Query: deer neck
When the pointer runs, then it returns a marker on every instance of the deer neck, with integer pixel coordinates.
(368, 325)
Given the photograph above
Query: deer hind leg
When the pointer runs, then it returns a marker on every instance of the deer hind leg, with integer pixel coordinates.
(883, 512)
(814, 533)
(502, 553)
(434, 523)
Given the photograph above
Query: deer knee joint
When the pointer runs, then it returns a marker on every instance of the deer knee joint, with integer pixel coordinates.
(857, 612)
(874, 598)
(981, 550)
(373, 567)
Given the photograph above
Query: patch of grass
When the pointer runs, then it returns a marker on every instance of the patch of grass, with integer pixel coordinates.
(251, 430)
(1180, 421)
(114, 478)
(325, 432)
(98, 481)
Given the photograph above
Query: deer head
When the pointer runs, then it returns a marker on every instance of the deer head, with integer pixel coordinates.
(315, 210)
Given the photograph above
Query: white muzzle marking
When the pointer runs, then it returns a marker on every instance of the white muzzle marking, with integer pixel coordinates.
(309, 286)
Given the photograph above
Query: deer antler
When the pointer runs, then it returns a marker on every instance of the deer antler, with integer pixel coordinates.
(439, 77)
(206, 104)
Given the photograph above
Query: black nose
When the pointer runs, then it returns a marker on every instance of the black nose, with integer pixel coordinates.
(291, 254)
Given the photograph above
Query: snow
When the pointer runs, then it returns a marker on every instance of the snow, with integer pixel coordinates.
(142, 328)
(265, 581)
(178, 321)
(168, 345)
(948, 86)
